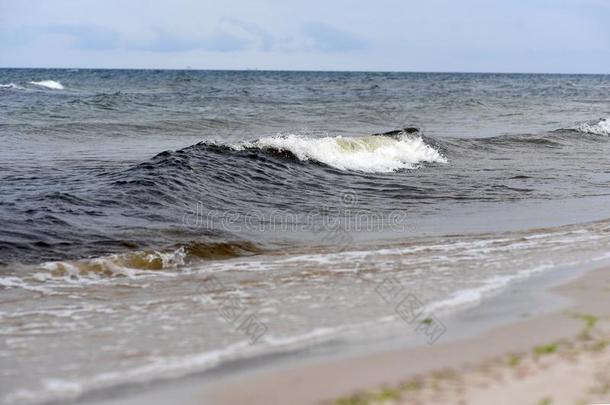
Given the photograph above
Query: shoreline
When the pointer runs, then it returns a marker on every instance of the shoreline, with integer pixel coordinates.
(532, 313)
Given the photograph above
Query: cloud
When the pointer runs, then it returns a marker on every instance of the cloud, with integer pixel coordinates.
(87, 37)
(326, 38)
(229, 35)
(81, 37)
(163, 41)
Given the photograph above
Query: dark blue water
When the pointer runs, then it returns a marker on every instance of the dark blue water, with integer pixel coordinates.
(81, 174)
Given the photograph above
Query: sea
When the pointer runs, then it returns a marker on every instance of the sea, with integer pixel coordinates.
(156, 224)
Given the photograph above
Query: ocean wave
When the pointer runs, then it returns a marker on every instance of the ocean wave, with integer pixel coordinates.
(601, 127)
(127, 265)
(9, 86)
(49, 84)
(117, 265)
(373, 154)
(142, 262)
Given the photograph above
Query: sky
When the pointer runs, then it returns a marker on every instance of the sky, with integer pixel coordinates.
(546, 36)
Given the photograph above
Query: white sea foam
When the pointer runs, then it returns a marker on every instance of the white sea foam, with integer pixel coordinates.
(474, 296)
(367, 154)
(600, 128)
(16, 282)
(9, 86)
(49, 84)
(162, 367)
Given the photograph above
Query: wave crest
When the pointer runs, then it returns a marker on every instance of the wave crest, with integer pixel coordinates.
(9, 86)
(49, 84)
(137, 263)
(373, 154)
(602, 127)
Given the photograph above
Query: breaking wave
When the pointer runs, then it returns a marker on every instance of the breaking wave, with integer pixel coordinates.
(127, 265)
(9, 86)
(601, 127)
(130, 264)
(49, 84)
(373, 154)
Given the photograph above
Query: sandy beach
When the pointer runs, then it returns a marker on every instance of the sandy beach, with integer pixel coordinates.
(553, 352)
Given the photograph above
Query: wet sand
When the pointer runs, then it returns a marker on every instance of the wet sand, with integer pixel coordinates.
(548, 344)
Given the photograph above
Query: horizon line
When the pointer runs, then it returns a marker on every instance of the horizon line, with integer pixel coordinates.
(306, 70)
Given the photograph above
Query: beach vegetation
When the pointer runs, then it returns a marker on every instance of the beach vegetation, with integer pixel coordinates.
(414, 384)
(590, 322)
(514, 360)
(426, 321)
(545, 349)
(355, 399)
(599, 345)
(387, 394)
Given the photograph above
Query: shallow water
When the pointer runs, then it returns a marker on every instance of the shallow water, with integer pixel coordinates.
(137, 205)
